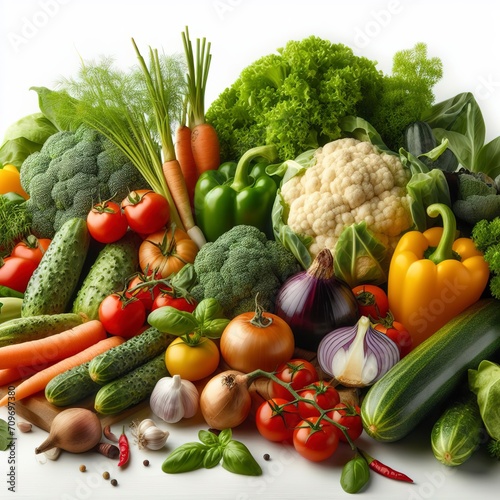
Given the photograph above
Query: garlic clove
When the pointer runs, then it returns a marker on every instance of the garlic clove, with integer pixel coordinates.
(155, 438)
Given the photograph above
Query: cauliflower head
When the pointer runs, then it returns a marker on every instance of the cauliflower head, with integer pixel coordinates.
(350, 182)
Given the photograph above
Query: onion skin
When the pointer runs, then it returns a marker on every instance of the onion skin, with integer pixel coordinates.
(315, 302)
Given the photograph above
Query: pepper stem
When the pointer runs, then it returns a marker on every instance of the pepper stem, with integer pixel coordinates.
(241, 177)
(444, 250)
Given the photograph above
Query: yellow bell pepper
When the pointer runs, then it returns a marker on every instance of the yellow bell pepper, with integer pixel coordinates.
(433, 277)
(10, 181)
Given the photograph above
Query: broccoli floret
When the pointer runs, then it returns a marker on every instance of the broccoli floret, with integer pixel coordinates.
(72, 171)
(239, 265)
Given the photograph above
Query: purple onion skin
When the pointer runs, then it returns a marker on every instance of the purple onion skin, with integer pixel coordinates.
(327, 304)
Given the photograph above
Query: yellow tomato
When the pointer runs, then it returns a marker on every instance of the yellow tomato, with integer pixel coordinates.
(192, 362)
(10, 181)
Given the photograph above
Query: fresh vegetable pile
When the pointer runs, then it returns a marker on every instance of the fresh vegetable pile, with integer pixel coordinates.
(317, 253)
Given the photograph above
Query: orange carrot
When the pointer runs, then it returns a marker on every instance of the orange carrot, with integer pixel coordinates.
(178, 189)
(8, 375)
(206, 148)
(184, 155)
(38, 381)
(53, 348)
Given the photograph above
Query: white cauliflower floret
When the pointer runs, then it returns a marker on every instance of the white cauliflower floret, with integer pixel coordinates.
(351, 182)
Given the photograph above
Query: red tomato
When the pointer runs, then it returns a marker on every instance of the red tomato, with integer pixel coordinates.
(348, 416)
(315, 439)
(296, 372)
(31, 248)
(397, 333)
(15, 272)
(146, 294)
(276, 419)
(322, 393)
(146, 211)
(106, 222)
(372, 301)
(122, 316)
(169, 299)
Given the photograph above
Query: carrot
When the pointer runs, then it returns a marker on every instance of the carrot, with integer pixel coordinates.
(53, 348)
(184, 155)
(8, 375)
(205, 147)
(38, 381)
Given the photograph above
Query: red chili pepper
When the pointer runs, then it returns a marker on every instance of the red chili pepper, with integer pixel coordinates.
(124, 448)
(383, 469)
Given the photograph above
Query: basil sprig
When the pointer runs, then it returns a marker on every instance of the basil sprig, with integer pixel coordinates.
(355, 474)
(209, 452)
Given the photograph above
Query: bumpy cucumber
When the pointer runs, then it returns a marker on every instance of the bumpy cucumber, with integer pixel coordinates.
(114, 264)
(132, 388)
(429, 374)
(71, 386)
(457, 433)
(124, 358)
(51, 287)
(20, 330)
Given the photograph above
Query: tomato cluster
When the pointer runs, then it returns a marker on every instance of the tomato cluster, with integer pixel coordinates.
(374, 303)
(313, 433)
(16, 269)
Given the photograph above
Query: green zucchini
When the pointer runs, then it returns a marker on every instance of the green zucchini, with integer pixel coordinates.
(20, 330)
(10, 308)
(71, 386)
(51, 287)
(125, 357)
(114, 264)
(428, 375)
(457, 433)
(132, 388)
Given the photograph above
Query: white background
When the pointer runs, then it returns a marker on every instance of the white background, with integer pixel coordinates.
(42, 40)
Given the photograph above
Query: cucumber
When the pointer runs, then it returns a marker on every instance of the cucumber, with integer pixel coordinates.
(132, 388)
(114, 264)
(71, 386)
(124, 358)
(20, 330)
(428, 375)
(10, 308)
(51, 287)
(457, 433)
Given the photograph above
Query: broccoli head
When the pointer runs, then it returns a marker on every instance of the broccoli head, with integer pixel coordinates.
(71, 172)
(239, 265)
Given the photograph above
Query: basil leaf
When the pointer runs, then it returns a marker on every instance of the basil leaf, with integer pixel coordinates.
(212, 457)
(185, 458)
(213, 328)
(168, 319)
(355, 475)
(225, 436)
(237, 458)
(208, 438)
(208, 309)
(5, 435)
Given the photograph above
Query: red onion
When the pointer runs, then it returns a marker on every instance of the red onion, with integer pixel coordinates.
(315, 302)
(357, 356)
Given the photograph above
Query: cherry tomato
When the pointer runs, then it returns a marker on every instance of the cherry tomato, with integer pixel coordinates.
(31, 248)
(348, 416)
(276, 419)
(146, 294)
(296, 372)
(372, 301)
(315, 439)
(106, 222)
(15, 272)
(146, 211)
(168, 298)
(397, 333)
(192, 362)
(123, 316)
(322, 393)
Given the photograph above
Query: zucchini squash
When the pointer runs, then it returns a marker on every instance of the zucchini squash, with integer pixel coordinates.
(132, 388)
(20, 330)
(52, 285)
(10, 308)
(114, 264)
(457, 433)
(429, 374)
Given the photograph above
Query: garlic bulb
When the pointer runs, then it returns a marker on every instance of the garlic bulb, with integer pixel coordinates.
(174, 398)
(148, 435)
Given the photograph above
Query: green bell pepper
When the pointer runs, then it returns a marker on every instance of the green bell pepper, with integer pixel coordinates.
(237, 194)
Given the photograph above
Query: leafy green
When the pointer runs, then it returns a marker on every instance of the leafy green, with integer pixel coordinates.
(5, 435)
(355, 474)
(15, 221)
